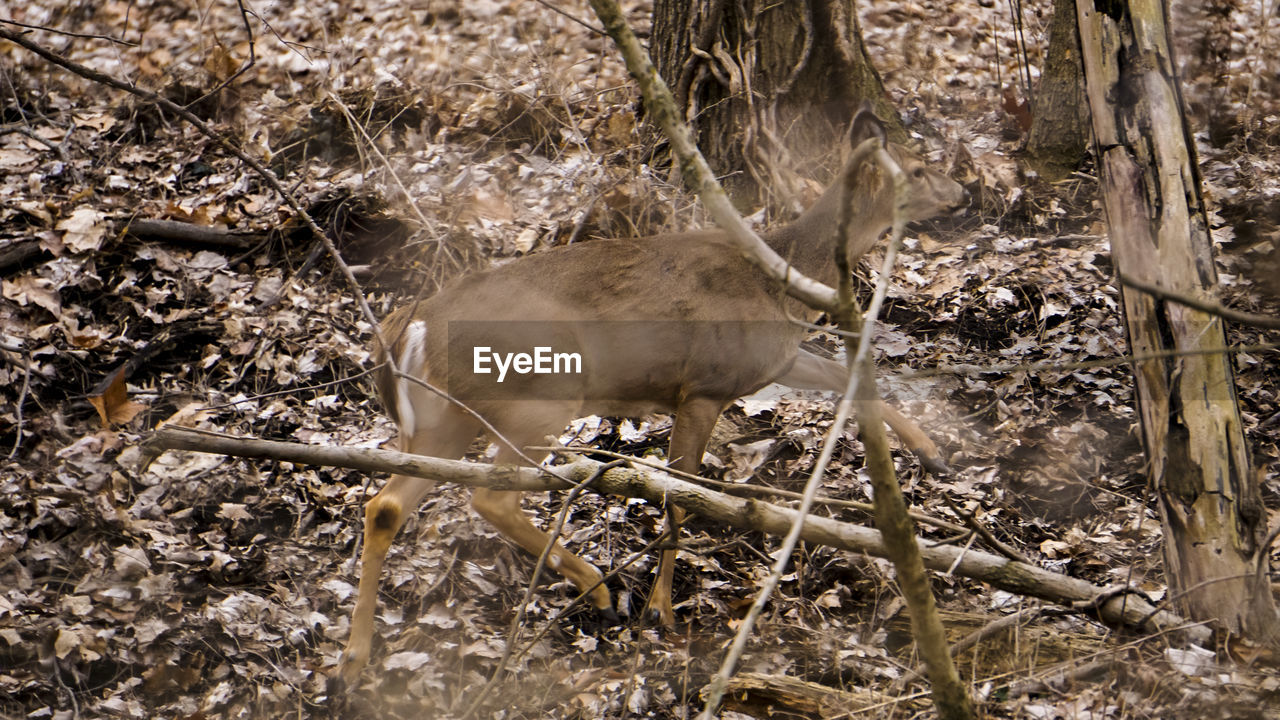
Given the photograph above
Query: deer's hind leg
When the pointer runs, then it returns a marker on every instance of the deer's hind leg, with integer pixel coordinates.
(502, 507)
(445, 433)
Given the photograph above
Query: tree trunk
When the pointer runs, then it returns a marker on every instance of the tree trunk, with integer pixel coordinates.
(768, 87)
(1211, 509)
(1059, 129)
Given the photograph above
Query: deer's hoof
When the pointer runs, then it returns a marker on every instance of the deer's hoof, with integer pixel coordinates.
(608, 617)
(934, 465)
(660, 617)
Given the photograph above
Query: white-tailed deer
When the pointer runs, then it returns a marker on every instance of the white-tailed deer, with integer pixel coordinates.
(674, 323)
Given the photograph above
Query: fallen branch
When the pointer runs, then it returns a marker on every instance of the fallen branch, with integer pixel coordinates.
(1062, 680)
(744, 489)
(18, 253)
(760, 695)
(1118, 609)
(189, 233)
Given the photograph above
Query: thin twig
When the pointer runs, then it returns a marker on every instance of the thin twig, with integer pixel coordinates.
(1237, 316)
(489, 428)
(244, 68)
(68, 33)
(296, 390)
(975, 370)
(22, 395)
(358, 128)
(984, 533)
(574, 18)
(1097, 668)
(59, 148)
(643, 552)
(991, 629)
(57, 676)
(513, 630)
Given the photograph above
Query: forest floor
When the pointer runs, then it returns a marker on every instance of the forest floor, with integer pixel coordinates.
(435, 137)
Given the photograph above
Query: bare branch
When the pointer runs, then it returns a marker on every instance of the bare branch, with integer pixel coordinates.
(1213, 308)
(844, 411)
(976, 370)
(244, 67)
(22, 395)
(68, 33)
(1127, 609)
(662, 109)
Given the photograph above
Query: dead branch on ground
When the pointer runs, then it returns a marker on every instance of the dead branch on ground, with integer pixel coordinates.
(1118, 609)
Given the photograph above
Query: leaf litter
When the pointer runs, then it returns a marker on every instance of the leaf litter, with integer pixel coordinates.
(214, 587)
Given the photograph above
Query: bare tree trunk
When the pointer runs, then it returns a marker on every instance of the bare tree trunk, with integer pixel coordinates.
(766, 85)
(1213, 517)
(1060, 119)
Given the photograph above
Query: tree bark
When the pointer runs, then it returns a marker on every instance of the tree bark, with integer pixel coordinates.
(1060, 119)
(1211, 509)
(766, 86)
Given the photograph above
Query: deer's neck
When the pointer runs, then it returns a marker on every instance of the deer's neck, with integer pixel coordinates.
(808, 242)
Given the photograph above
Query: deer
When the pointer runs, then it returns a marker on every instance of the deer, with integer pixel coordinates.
(679, 323)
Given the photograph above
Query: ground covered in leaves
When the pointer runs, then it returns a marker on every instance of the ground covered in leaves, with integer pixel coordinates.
(435, 137)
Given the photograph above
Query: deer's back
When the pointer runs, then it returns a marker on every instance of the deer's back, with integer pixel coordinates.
(653, 319)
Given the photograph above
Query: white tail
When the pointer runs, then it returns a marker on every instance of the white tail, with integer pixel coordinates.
(674, 323)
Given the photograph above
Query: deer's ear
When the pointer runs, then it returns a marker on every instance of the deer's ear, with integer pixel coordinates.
(866, 125)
